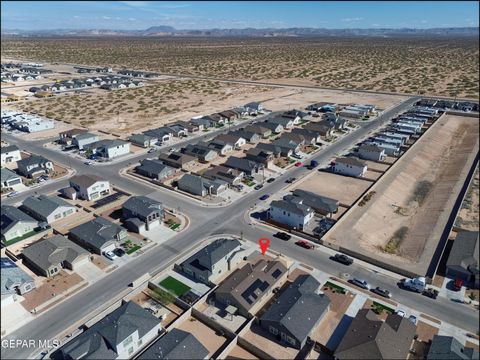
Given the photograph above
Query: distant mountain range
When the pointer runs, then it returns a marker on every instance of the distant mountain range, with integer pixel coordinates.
(248, 32)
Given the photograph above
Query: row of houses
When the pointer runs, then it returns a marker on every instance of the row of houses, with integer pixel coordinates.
(25, 122)
(466, 106)
(88, 70)
(103, 82)
(357, 111)
(137, 74)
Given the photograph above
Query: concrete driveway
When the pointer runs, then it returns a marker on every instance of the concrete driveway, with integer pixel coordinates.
(90, 272)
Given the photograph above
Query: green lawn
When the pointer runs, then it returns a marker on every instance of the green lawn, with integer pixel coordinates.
(173, 285)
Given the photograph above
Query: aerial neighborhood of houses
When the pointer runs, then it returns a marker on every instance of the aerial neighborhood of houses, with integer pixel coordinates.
(82, 208)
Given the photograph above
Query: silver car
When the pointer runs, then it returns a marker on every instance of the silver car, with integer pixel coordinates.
(361, 283)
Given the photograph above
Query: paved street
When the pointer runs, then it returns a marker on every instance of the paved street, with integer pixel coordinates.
(230, 220)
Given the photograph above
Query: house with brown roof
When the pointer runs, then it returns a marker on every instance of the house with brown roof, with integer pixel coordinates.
(322, 130)
(262, 156)
(263, 132)
(66, 137)
(249, 287)
(178, 160)
(229, 175)
(368, 337)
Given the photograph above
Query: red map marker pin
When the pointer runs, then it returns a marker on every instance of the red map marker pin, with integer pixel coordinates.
(264, 242)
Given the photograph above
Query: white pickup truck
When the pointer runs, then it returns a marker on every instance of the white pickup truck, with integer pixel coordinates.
(417, 284)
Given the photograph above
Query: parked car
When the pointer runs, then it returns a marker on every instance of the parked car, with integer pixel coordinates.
(457, 284)
(413, 319)
(344, 259)
(361, 283)
(110, 255)
(282, 235)
(119, 252)
(382, 292)
(270, 180)
(258, 187)
(400, 312)
(296, 156)
(304, 244)
(298, 164)
(431, 293)
(88, 163)
(13, 193)
(290, 180)
(151, 151)
(264, 197)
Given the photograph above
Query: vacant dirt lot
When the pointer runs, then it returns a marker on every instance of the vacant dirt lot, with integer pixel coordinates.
(403, 221)
(435, 65)
(343, 188)
(468, 216)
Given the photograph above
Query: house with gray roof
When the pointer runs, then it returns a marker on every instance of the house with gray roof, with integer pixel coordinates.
(47, 257)
(320, 204)
(250, 137)
(16, 224)
(291, 212)
(9, 178)
(47, 208)
(276, 150)
(286, 123)
(198, 185)
(10, 154)
(14, 281)
(81, 140)
(235, 140)
(249, 167)
(253, 107)
(368, 337)
(109, 149)
(226, 174)
(371, 152)
(213, 260)
(350, 166)
(448, 348)
(264, 157)
(309, 136)
(297, 312)
(273, 127)
(119, 335)
(220, 147)
(149, 212)
(156, 169)
(178, 160)
(66, 137)
(286, 145)
(98, 235)
(261, 131)
(201, 151)
(163, 134)
(295, 115)
(324, 131)
(88, 187)
(202, 121)
(298, 138)
(248, 288)
(34, 165)
(463, 261)
(143, 140)
(176, 345)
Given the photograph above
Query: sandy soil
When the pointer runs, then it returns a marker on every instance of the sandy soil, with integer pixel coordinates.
(468, 216)
(343, 188)
(442, 157)
(239, 352)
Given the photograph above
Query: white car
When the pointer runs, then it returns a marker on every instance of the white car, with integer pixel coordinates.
(400, 312)
(12, 194)
(110, 255)
(413, 319)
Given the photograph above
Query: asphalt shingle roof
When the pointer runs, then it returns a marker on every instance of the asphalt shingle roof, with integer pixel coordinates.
(449, 348)
(97, 231)
(10, 148)
(142, 205)
(11, 216)
(464, 251)
(43, 205)
(11, 275)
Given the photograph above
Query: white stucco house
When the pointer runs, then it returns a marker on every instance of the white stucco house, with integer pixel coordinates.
(350, 166)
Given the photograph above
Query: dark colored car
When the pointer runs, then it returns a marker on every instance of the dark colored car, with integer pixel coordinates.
(264, 197)
(282, 235)
(258, 187)
(431, 293)
(270, 180)
(343, 259)
(119, 252)
(290, 180)
(304, 244)
(382, 292)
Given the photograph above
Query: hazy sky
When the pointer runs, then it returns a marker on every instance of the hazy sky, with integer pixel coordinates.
(129, 15)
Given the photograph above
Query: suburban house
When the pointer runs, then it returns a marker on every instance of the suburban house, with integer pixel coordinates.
(311, 137)
(143, 140)
(230, 115)
(156, 169)
(178, 160)
(276, 150)
(350, 166)
(142, 213)
(324, 131)
(217, 120)
(320, 204)
(261, 156)
(286, 145)
(390, 149)
(371, 152)
(14, 281)
(162, 134)
(297, 312)
(236, 141)
(249, 136)
(249, 167)
(176, 344)
(463, 261)
(249, 287)
(202, 122)
(119, 335)
(213, 261)
(98, 235)
(16, 224)
(177, 130)
(87, 187)
(253, 108)
(220, 147)
(286, 123)
(50, 255)
(274, 128)
(261, 131)
(9, 178)
(10, 154)
(109, 149)
(201, 151)
(223, 173)
(295, 115)
(368, 337)
(66, 137)
(191, 128)
(198, 185)
(448, 348)
(34, 166)
(47, 208)
(291, 212)
(81, 140)
(299, 139)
